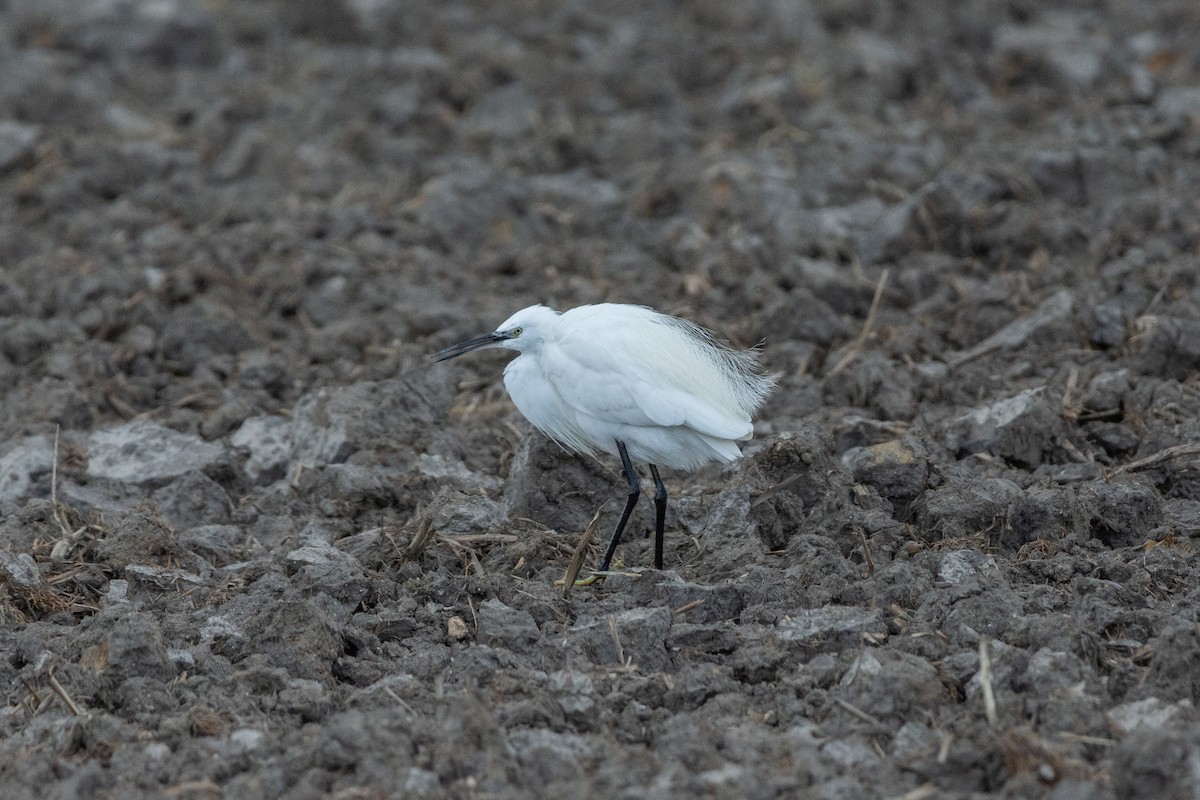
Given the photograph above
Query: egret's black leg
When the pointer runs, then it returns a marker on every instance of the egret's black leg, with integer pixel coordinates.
(660, 516)
(635, 489)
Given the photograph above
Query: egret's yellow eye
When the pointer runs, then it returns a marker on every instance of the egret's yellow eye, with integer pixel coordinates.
(516, 332)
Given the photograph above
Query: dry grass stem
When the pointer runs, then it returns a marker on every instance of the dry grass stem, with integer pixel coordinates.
(779, 487)
(855, 348)
(1069, 412)
(626, 663)
(858, 712)
(1081, 738)
(577, 558)
(686, 607)
(417, 544)
(56, 509)
(985, 679)
(478, 538)
(862, 535)
(1178, 451)
(58, 689)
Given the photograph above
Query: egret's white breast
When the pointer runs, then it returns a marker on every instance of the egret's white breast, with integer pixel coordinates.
(540, 402)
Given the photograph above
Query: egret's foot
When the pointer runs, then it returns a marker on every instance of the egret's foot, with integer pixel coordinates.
(594, 578)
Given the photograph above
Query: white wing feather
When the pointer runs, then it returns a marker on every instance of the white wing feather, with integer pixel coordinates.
(646, 369)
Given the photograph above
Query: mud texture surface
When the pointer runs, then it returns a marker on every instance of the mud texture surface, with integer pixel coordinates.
(274, 552)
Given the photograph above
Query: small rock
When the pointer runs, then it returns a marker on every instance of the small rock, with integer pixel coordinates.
(1155, 764)
(1149, 714)
(399, 106)
(1109, 324)
(307, 699)
(136, 649)
(1017, 428)
(1123, 510)
(167, 34)
(299, 636)
(830, 627)
(1060, 42)
(803, 316)
(316, 534)
(932, 371)
(574, 692)
(20, 570)
(245, 740)
(549, 756)
(1056, 173)
(456, 628)
(877, 382)
(29, 339)
(443, 469)
(893, 231)
(1005, 662)
(17, 140)
(190, 340)
(882, 60)
(915, 742)
(576, 189)
(163, 578)
(455, 512)
(505, 112)
(193, 499)
(958, 566)
(128, 123)
(709, 602)
(390, 625)
(138, 537)
(215, 542)
(421, 783)
(117, 595)
(142, 452)
(331, 424)
(181, 658)
(1116, 438)
(1039, 513)
(1179, 104)
(468, 207)
(549, 485)
(25, 460)
(509, 628)
(898, 469)
(1107, 390)
(891, 685)
(325, 569)
(1054, 309)
(638, 635)
(1183, 515)
(963, 508)
(1168, 347)
(156, 752)
(220, 628)
(268, 440)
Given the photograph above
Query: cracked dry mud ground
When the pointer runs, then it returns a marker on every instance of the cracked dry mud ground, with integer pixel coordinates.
(957, 561)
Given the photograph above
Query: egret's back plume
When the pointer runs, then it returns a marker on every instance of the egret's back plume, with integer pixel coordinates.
(632, 382)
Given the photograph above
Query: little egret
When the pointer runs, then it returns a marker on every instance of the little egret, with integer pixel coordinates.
(632, 382)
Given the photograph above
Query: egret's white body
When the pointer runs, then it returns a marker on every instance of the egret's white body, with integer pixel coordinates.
(596, 375)
(615, 378)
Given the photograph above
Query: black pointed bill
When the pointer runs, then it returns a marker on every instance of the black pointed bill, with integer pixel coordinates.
(454, 350)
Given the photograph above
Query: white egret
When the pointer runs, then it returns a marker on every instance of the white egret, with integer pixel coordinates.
(632, 382)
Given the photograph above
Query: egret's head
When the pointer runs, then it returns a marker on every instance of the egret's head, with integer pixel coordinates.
(524, 330)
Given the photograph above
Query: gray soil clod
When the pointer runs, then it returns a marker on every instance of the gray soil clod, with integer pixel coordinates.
(254, 545)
